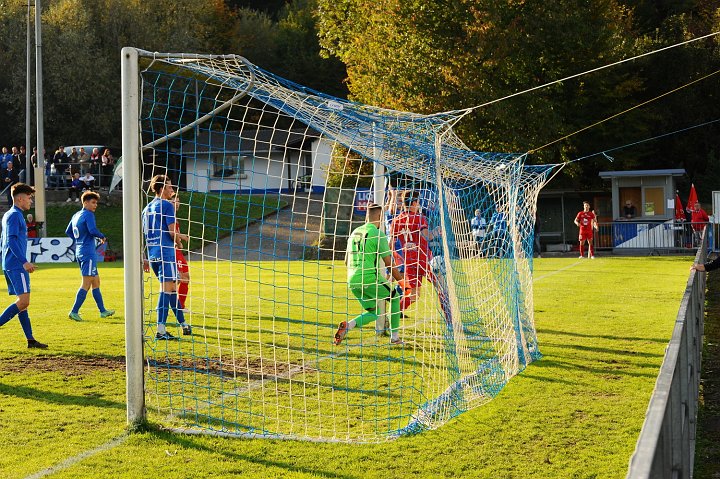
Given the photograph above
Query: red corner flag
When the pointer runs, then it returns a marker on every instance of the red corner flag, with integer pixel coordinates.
(692, 199)
(679, 211)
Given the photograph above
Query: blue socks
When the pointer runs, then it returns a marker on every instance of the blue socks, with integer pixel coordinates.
(166, 302)
(9, 313)
(79, 300)
(98, 299)
(24, 318)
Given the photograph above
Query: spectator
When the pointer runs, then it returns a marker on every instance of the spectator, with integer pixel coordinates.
(95, 161)
(74, 161)
(61, 161)
(698, 220)
(28, 174)
(106, 167)
(88, 181)
(537, 248)
(84, 160)
(629, 210)
(76, 187)
(5, 156)
(9, 178)
(32, 227)
(33, 157)
(478, 226)
(17, 164)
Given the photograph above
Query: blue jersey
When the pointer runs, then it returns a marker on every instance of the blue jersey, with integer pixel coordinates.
(157, 217)
(83, 230)
(13, 239)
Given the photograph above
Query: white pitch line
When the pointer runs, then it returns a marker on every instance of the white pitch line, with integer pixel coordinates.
(75, 459)
(556, 271)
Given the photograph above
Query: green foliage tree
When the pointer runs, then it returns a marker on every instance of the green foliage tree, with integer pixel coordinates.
(437, 55)
(82, 40)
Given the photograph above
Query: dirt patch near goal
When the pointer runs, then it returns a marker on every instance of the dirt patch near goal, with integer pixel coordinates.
(68, 365)
(250, 368)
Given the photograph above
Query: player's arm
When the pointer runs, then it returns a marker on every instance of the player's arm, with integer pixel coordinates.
(16, 248)
(92, 228)
(389, 264)
(69, 230)
(179, 234)
(386, 254)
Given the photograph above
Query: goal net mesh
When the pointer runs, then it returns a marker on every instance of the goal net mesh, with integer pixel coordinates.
(272, 178)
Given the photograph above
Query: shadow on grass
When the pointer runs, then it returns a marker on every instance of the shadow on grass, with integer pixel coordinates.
(604, 336)
(594, 349)
(188, 442)
(26, 392)
(609, 372)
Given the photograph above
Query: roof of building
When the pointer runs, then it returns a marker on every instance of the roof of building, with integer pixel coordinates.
(249, 142)
(634, 173)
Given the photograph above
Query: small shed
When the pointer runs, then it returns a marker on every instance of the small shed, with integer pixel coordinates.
(256, 161)
(650, 193)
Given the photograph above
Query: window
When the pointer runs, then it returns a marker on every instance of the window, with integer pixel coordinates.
(654, 204)
(227, 166)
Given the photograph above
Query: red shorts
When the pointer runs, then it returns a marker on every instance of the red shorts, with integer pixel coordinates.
(586, 235)
(182, 264)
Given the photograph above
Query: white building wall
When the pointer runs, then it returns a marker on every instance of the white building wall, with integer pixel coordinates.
(321, 153)
(261, 173)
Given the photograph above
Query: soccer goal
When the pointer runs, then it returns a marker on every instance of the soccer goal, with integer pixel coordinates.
(272, 178)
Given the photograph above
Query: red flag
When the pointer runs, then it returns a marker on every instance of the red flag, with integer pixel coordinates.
(692, 199)
(679, 211)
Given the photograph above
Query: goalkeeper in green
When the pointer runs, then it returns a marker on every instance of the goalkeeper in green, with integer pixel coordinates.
(368, 254)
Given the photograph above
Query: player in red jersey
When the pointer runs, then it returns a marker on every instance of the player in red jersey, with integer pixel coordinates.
(587, 222)
(182, 264)
(410, 231)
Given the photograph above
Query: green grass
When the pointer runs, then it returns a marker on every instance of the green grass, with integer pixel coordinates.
(602, 325)
(209, 216)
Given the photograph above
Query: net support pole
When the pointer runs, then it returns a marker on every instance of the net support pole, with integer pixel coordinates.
(131, 238)
(379, 198)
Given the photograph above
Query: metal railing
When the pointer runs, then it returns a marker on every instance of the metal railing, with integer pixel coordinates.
(666, 445)
(654, 236)
(103, 175)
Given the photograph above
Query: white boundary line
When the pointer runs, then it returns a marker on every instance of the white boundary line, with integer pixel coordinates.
(535, 280)
(71, 461)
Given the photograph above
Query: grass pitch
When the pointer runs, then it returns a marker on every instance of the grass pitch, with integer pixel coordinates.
(602, 325)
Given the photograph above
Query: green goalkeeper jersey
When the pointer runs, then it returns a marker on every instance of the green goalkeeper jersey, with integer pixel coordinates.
(366, 247)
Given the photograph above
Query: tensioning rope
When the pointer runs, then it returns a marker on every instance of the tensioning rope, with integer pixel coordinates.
(545, 85)
(625, 111)
(605, 152)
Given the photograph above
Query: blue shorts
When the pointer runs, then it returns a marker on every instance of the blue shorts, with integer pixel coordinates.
(18, 282)
(88, 267)
(165, 270)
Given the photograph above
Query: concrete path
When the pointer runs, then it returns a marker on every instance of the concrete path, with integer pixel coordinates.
(286, 235)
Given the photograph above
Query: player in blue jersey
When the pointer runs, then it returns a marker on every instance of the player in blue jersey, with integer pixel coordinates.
(15, 265)
(83, 230)
(161, 238)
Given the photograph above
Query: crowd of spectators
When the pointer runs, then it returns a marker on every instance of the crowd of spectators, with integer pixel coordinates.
(76, 171)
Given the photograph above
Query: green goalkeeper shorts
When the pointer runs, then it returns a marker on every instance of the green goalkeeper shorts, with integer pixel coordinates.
(370, 294)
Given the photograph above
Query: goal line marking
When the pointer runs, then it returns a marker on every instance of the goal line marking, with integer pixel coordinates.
(71, 461)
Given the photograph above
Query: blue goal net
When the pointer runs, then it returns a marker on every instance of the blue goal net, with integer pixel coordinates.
(267, 321)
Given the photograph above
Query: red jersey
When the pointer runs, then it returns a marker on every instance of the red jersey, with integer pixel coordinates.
(32, 230)
(698, 218)
(585, 218)
(180, 260)
(407, 229)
